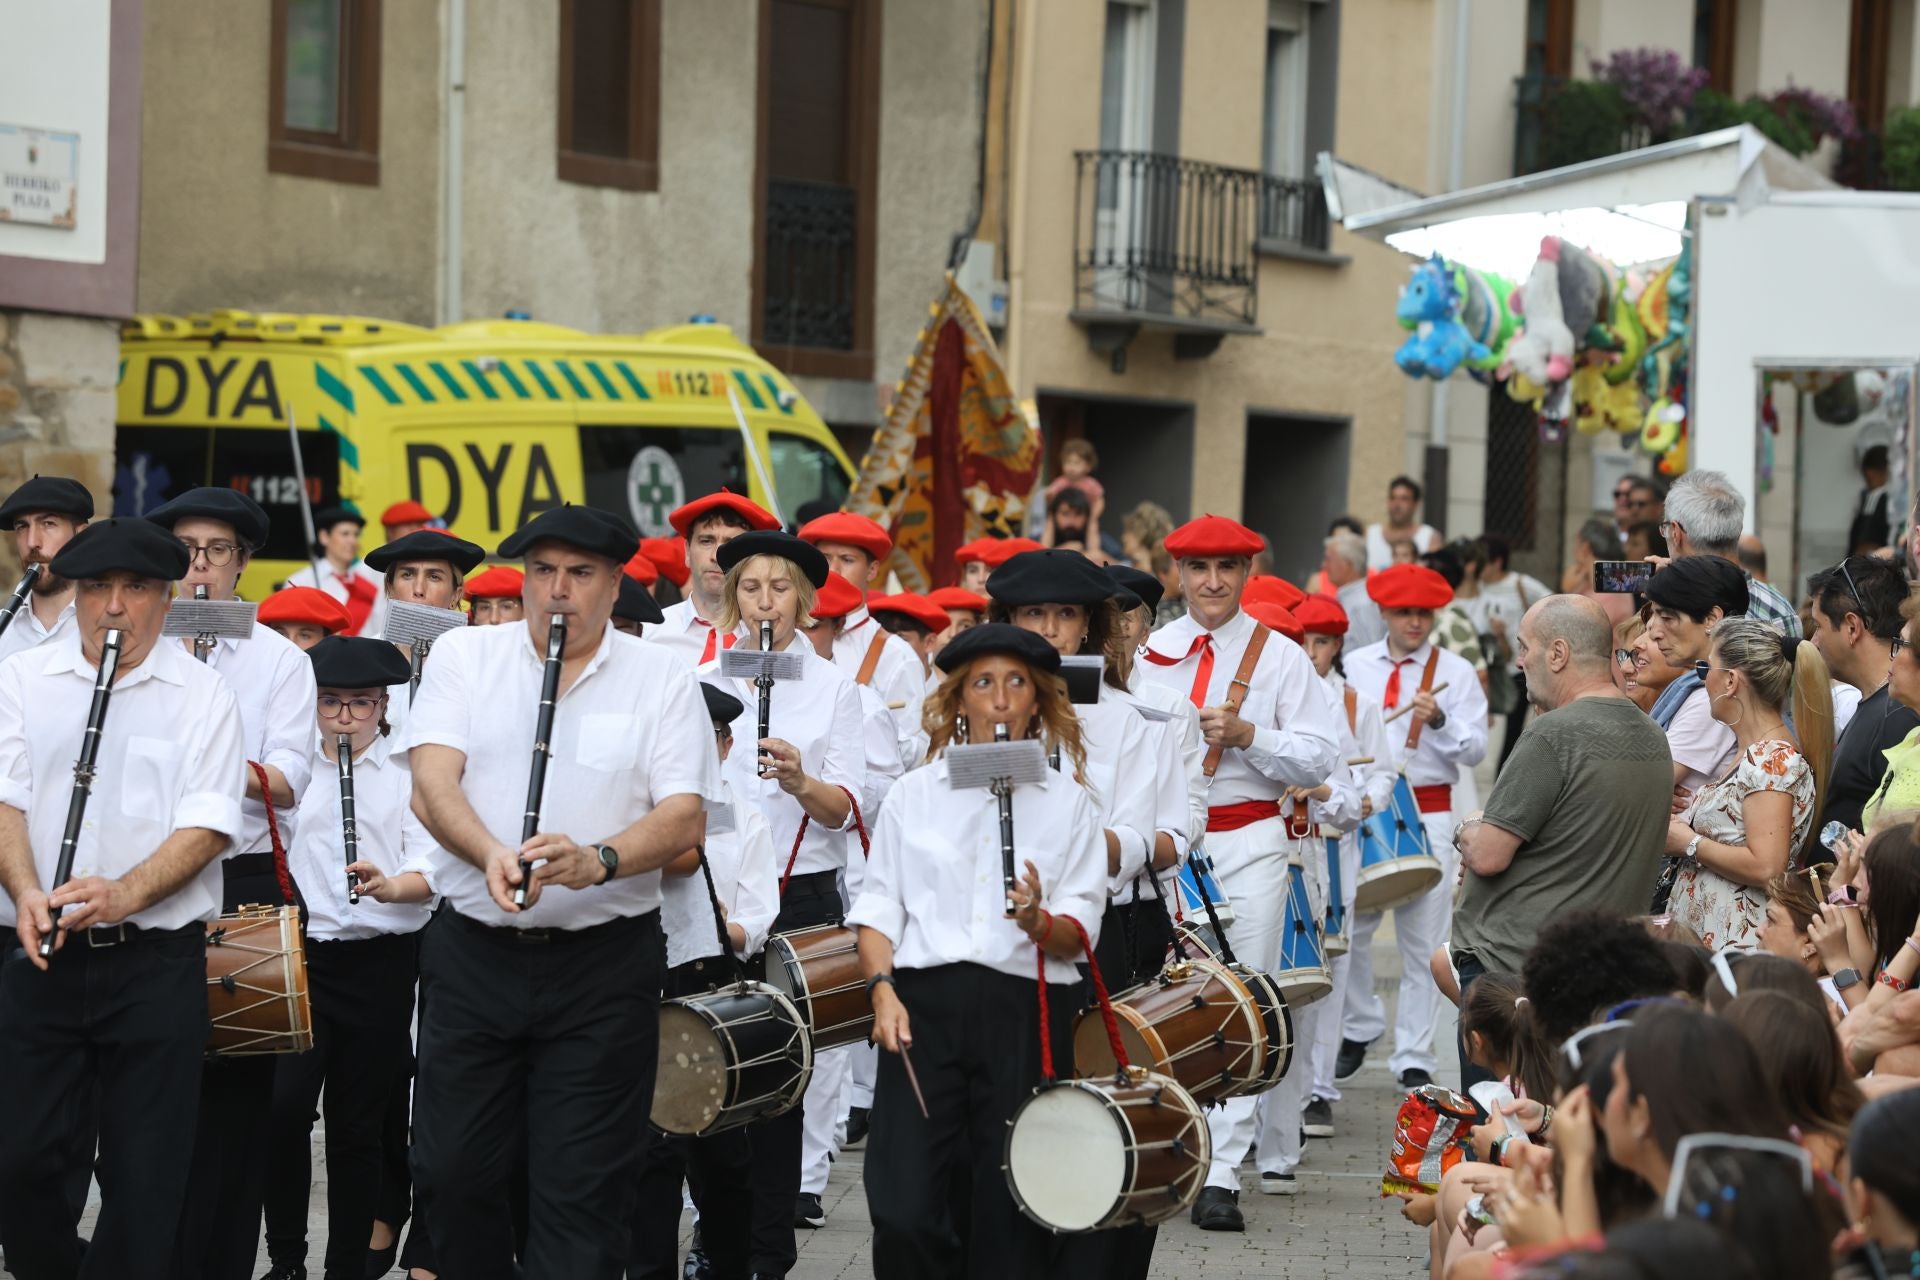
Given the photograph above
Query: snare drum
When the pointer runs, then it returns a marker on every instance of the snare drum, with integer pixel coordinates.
(729, 1057)
(819, 970)
(1396, 866)
(1196, 1022)
(257, 983)
(1196, 874)
(1334, 938)
(1277, 1023)
(1082, 1155)
(1303, 976)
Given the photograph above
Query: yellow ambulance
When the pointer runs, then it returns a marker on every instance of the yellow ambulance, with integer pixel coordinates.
(485, 423)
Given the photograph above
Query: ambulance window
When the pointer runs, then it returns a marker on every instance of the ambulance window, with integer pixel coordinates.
(645, 472)
(154, 464)
(804, 472)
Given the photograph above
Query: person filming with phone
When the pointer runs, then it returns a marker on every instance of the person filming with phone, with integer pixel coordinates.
(1856, 626)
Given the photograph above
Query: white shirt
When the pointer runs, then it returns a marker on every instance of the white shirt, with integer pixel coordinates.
(386, 834)
(630, 732)
(25, 631)
(684, 633)
(1121, 771)
(900, 676)
(170, 756)
(1181, 807)
(744, 877)
(1349, 784)
(335, 584)
(935, 885)
(819, 714)
(1508, 599)
(1440, 753)
(273, 679)
(1380, 551)
(1698, 743)
(1295, 740)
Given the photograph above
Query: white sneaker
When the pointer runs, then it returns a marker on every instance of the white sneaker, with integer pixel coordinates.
(1279, 1184)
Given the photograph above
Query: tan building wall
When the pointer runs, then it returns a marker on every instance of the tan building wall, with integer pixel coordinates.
(1803, 42)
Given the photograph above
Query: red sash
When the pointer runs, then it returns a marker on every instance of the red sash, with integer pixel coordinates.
(1437, 798)
(1232, 817)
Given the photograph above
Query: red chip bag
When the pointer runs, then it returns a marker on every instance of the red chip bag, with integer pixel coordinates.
(1429, 1138)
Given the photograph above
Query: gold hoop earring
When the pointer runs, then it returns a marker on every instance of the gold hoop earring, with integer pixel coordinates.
(1711, 700)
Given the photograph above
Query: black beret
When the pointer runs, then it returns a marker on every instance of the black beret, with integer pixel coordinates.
(426, 544)
(1049, 577)
(327, 517)
(57, 494)
(998, 637)
(1138, 583)
(635, 604)
(722, 707)
(804, 555)
(230, 506)
(583, 528)
(355, 662)
(134, 546)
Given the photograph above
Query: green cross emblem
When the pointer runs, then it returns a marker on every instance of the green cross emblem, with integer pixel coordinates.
(655, 495)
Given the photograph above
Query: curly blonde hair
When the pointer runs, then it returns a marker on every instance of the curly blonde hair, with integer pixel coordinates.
(730, 597)
(1059, 726)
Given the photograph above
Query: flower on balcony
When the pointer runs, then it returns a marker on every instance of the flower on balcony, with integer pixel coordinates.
(1655, 86)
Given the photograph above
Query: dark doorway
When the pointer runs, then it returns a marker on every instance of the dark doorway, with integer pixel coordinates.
(1145, 448)
(1295, 483)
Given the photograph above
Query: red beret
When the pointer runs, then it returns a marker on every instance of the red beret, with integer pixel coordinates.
(1264, 588)
(408, 512)
(922, 610)
(1321, 615)
(1276, 617)
(955, 598)
(1409, 586)
(836, 598)
(1214, 536)
(756, 516)
(499, 582)
(642, 570)
(853, 530)
(669, 556)
(305, 604)
(994, 552)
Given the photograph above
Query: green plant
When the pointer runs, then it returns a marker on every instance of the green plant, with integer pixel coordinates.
(1900, 155)
(1713, 110)
(1583, 120)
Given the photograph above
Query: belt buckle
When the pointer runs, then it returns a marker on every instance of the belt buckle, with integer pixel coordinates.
(531, 937)
(107, 936)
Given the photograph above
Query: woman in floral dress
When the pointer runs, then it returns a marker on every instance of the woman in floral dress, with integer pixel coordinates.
(1756, 821)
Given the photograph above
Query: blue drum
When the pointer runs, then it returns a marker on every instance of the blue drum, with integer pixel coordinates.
(1196, 876)
(1302, 973)
(1396, 866)
(1335, 940)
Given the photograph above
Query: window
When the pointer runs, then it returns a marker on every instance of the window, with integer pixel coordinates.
(1870, 35)
(154, 464)
(804, 472)
(610, 93)
(622, 470)
(324, 112)
(1284, 131)
(1714, 26)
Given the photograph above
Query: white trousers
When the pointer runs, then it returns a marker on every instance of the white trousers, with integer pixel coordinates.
(1325, 1045)
(826, 1105)
(866, 1063)
(1422, 926)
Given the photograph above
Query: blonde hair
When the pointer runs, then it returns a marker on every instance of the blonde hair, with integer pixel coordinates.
(730, 598)
(1784, 671)
(1059, 726)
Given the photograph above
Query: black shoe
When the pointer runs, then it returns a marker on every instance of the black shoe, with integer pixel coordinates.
(286, 1271)
(1218, 1209)
(1352, 1054)
(857, 1127)
(1415, 1078)
(1316, 1119)
(380, 1261)
(807, 1211)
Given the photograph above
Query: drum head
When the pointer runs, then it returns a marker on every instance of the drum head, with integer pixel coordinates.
(1067, 1157)
(1093, 1051)
(690, 1087)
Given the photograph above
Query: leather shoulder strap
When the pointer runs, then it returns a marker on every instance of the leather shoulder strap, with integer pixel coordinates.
(1353, 710)
(1237, 689)
(874, 650)
(1426, 686)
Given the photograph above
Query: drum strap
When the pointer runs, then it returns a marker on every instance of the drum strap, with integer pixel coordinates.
(1100, 993)
(1237, 690)
(280, 872)
(719, 915)
(871, 662)
(1426, 686)
(859, 825)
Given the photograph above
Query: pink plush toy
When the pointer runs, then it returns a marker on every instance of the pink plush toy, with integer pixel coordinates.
(1543, 349)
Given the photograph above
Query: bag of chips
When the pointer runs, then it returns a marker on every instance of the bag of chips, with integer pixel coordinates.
(1429, 1137)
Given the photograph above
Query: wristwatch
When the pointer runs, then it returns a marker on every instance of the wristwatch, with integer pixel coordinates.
(1438, 720)
(609, 859)
(1846, 978)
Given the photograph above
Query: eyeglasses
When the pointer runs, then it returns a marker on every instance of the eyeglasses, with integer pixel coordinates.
(1895, 645)
(1624, 491)
(1712, 1189)
(217, 553)
(1623, 657)
(1666, 529)
(357, 708)
(1702, 667)
(1859, 600)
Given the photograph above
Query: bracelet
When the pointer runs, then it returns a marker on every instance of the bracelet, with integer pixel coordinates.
(1912, 945)
(1888, 980)
(879, 978)
(1046, 927)
(1546, 1120)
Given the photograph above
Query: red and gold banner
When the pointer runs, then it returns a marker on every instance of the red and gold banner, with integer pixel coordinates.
(958, 458)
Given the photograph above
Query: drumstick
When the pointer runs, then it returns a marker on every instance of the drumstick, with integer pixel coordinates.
(897, 706)
(1403, 710)
(1357, 761)
(914, 1080)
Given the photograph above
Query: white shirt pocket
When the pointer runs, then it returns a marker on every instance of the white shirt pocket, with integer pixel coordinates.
(609, 741)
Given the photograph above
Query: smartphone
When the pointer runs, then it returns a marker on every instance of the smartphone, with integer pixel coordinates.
(1620, 577)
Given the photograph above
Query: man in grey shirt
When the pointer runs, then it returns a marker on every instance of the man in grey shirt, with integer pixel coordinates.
(1578, 816)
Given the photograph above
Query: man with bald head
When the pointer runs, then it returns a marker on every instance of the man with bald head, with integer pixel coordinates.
(1578, 815)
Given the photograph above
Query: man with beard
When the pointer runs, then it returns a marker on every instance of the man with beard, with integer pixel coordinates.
(43, 514)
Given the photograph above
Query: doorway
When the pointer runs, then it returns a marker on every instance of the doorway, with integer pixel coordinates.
(1145, 448)
(1295, 483)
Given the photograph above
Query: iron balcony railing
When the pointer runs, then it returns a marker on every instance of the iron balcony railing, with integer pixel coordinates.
(810, 266)
(1158, 235)
(1293, 211)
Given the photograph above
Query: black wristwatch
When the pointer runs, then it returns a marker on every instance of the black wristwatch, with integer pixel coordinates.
(1438, 720)
(1846, 978)
(609, 859)
(879, 978)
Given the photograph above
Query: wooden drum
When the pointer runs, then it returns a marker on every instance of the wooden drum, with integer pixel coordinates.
(257, 983)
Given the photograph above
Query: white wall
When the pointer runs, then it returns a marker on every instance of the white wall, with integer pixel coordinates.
(1599, 29)
(55, 77)
(1781, 42)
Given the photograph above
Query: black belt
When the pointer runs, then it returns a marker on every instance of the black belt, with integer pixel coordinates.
(248, 864)
(819, 881)
(538, 937)
(114, 935)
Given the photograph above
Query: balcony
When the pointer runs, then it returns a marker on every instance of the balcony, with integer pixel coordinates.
(1293, 218)
(811, 266)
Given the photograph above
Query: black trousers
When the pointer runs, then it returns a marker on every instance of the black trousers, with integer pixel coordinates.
(362, 994)
(810, 899)
(542, 1041)
(115, 1034)
(976, 1053)
(718, 1170)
